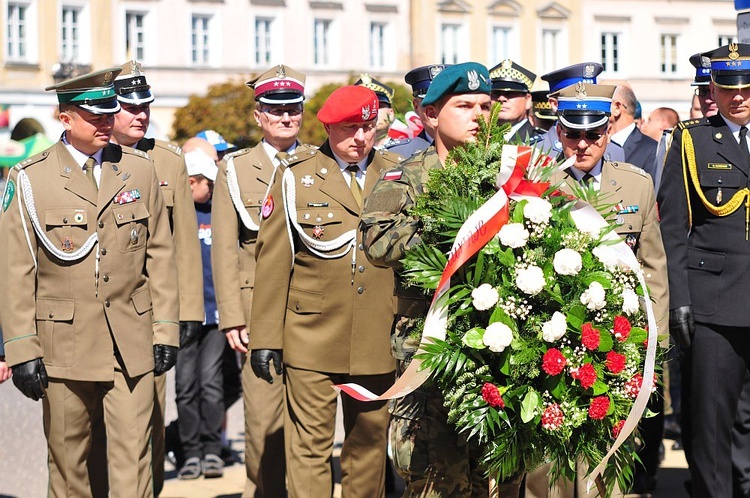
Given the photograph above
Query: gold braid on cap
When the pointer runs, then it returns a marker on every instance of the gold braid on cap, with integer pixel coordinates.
(511, 74)
(689, 165)
(366, 81)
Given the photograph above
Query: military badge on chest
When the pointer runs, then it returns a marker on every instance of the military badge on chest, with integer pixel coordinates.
(318, 231)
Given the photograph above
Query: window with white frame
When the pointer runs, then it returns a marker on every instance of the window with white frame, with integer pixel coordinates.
(550, 44)
(263, 46)
(200, 39)
(668, 54)
(322, 42)
(135, 35)
(17, 32)
(70, 34)
(450, 39)
(500, 43)
(610, 51)
(378, 41)
(727, 39)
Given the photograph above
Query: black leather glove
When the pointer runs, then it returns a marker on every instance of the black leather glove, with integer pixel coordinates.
(164, 358)
(682, 325)
(189, 333)
(31, 378)
(260, 359)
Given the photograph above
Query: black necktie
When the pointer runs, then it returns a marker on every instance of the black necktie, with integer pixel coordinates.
(89, 166)
(354, 184)
(743, 144)
(588, 179)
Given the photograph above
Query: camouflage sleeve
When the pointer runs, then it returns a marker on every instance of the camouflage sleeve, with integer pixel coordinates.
(387, 227)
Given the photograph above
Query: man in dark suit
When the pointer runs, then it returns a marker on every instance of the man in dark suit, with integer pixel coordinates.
(639, 149)
(511, 86)
(703, 207)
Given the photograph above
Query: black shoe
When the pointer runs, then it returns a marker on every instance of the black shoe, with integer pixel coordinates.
(229, 456)
(672, 429)
(677, 446)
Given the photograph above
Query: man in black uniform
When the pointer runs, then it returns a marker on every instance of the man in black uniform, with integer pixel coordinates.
(704, 210)
(511, 86)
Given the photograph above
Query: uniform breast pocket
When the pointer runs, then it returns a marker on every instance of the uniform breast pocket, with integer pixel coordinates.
(132, 226)
(719, 185)
(67, 227)
(253, 202)
(631, 223)
(324, 223)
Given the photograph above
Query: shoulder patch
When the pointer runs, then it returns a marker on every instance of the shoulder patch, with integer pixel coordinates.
(135, 152)
(236, 153)
(171, 147)
(691, 122)
(10, 190)
(32, 160)
(394, 174)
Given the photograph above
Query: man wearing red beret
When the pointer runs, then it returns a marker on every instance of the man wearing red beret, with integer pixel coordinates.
(326, 311)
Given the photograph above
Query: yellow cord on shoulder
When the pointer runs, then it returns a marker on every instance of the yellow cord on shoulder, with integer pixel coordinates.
(738, 199)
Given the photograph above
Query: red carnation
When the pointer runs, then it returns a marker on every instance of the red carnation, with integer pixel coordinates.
(598, 407)
(617, 429)
(586, 375)
(621, 328)
(615, 362)
(633, 386)
(553, 361)
(589, 337)
(491, 394)
(553, 417)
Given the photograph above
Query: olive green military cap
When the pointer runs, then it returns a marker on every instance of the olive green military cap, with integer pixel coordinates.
(93, 92)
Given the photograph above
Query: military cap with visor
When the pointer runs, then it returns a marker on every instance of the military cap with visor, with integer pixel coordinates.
(349, 104)
(570, 75)
(280, 85)
(511, 77)
(584, 106)
(467, 77)
(730, 65)
(702, 65)
(131, 86)
(93, 92)
(383, 91)
(420, 78)
(541, 107)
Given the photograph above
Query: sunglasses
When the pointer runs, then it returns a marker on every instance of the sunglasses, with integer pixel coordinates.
(590, 136)
(702, 91)
(278, 112)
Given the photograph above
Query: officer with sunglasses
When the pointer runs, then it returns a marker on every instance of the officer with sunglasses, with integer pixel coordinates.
(239, 191)
(583, 118)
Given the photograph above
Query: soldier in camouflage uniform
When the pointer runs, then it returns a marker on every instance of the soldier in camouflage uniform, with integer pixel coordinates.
(434, 460)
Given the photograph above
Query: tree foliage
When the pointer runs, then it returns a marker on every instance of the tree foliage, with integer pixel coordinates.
(228, 108)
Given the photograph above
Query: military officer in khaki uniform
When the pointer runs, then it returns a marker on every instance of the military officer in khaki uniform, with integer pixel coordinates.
(241, 186)
(583, 134)
(92, 313)
(324, 307)
(131, 123)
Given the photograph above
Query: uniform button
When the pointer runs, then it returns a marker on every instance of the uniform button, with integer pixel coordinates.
(360, 247)
(65, 220)
(51, 315)
(101, 224)
(719, 181)
(296, 306)
(105, 278)
(132, 216)
(103, 251)
(361, 269)
(701, 263)
(360, 290)
(630, 227)
(247, 281)
(106, 303)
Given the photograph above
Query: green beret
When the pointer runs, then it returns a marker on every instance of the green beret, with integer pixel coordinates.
(467, 77)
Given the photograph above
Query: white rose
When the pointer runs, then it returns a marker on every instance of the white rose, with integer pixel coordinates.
(497, 337)
(594, 296)
(484, 297)
(607, 255)
(530, 280)
(538, 210)
(555, 328)
(567, 262)
(630, 301)
(513, 235)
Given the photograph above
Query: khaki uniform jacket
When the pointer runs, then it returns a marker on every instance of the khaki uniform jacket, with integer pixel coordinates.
(73, 314)
(233, 264)
(328, 315)
(175, 188)
(631, 186)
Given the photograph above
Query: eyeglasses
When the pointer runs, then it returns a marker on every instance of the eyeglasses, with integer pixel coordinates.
(702, 91)
(589, 136)
(278, 112)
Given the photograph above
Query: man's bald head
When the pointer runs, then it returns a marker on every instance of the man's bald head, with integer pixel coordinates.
(663, 118)
(202, 144)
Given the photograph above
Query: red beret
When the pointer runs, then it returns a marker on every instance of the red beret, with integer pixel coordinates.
(349, 104)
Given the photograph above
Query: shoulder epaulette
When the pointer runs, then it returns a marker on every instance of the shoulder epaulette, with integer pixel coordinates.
(394, 142)
(174, 148)
(300, 155)
(32, 160)
(391, 156)
(691, 122)
(135, 152)
(630, 167)
(237, 153)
